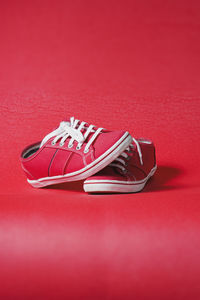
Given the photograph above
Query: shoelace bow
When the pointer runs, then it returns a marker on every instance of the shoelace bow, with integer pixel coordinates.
(74, 130)
(121, 161)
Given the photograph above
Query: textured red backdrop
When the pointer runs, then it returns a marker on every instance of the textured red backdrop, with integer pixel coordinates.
(131, 65)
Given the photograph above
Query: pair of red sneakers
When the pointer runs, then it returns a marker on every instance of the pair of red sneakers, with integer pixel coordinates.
(110, 161)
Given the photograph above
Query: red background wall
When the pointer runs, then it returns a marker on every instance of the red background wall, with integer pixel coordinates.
(132, 65)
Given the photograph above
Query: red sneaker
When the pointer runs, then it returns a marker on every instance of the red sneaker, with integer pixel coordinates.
(128, 173)
(74, 151)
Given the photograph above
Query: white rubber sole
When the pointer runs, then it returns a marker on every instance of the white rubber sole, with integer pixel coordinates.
(90, 169)
(115, 186)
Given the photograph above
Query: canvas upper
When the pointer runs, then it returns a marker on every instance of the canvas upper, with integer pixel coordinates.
(130, 167)
(71, 147)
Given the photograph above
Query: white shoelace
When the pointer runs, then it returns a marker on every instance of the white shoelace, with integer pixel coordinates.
(73, 129)
(121, 163)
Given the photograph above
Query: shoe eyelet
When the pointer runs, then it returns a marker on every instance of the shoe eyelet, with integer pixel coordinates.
(61, 144)
(86, 151)
(53, 143)
(78, 148)
(70, 145)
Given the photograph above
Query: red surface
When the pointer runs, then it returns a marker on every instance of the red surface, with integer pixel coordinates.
(122, 65)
